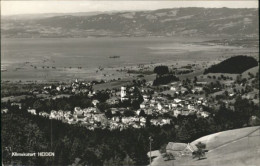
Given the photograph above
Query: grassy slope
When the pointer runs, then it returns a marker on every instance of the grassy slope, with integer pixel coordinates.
(253, 70)
(234, 147)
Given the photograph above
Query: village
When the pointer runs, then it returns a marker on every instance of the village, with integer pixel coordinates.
(139, 104)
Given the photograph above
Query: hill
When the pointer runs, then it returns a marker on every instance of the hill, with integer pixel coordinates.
(163, 22)
(233, 65)
(240, 147)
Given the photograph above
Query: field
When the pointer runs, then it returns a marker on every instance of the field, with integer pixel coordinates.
(88, 58)
(240, 147)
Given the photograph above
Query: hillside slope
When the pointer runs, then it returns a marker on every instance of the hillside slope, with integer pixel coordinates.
(240, 147)
(163, 22)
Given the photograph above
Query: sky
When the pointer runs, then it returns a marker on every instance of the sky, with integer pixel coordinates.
(73, 6)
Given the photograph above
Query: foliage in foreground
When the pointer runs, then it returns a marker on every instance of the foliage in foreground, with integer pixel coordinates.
(200, 152)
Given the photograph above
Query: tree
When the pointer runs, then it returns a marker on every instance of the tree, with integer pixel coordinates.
(160, 70)
(142, 113)
(183, 134)
(168, 156)
(128, 161)
(200, 152)
(195, 80)
(226, 93)
(38, 105)
(61, 104)
(135, 104)
(243, 109)
(85, 103)
(68, 107)
(108, 114)
(102, 96)
(129, 113)
(102, 106)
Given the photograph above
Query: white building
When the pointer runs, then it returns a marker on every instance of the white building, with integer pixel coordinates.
(123, 93)
(95, 102)
(177, 100)
(176, 113)
(4, 110)
(204, 114)
(32, 111)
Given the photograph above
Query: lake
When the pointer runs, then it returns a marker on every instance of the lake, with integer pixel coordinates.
(40, 58)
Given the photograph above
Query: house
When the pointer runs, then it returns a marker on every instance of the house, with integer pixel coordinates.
(90, 94)
(4, 110)
(174, 105)
(159, 106)
(173, 89)
(53, 114)
(185, 112)
(17, 104)
(142, 120)
(148, 111)
(138, 112)
(146, 97)
(114, 110)
(76, 109)
(149, 83)
(175, 148)
(99, 117)
(189, 149)
(32, 111)
(123, 93)
(44, 114)
(183, 90)
(58, 88)
(204, 114)
(201, 83)
(180, 149)
(113, 100)
(198, 89)
(177, 100)
(191, 107)
(231, 94)
(176, 113)
(116, 119)
(166, 121)
(95, 102)
(155, 122)
(136, 126)
(79, 113)
(143, 105)
(92, 110)
(125, 120)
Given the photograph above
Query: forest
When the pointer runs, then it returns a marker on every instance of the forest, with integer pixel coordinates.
(234, 65)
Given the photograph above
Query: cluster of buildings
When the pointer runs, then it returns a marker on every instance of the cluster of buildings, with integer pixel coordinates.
(118, 122)
(88, 117)
(129, 93)
(91, 118)
(178, 106)
(161, 103)
(75, 87)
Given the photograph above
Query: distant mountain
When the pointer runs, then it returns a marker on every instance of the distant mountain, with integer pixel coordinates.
(163, 22)
(233, 65)
(48, 15)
